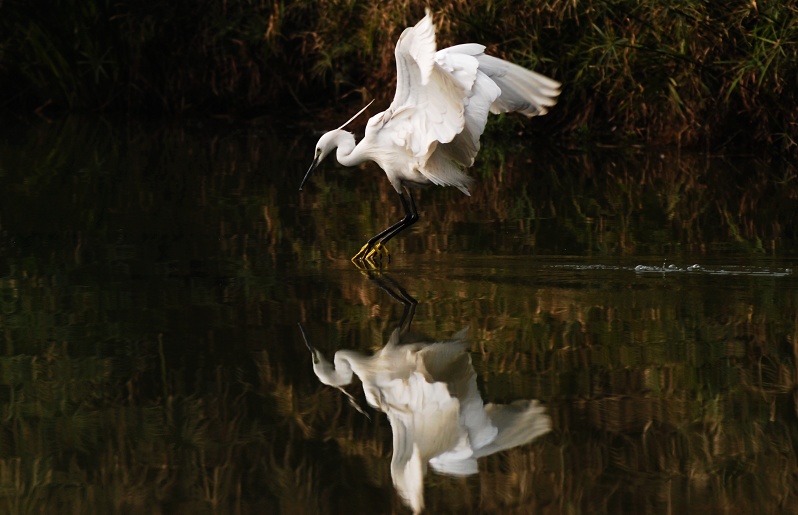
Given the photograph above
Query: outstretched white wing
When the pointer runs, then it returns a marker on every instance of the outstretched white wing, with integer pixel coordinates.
(440, 108)
(443, 99)
(523, 91)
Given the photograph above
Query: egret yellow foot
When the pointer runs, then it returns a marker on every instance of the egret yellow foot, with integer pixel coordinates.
(361, 253)
(372, 256)
(378, 252)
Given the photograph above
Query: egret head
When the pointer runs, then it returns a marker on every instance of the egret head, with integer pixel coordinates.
(328, 142)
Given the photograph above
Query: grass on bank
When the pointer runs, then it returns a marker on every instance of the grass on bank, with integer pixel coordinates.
(685, 72)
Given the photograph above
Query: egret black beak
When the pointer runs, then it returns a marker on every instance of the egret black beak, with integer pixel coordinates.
(313, 165)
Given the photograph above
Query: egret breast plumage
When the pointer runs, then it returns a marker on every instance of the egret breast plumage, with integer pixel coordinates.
(431, 131)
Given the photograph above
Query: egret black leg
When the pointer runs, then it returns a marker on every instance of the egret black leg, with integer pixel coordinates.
(411, 217)
(378, 240)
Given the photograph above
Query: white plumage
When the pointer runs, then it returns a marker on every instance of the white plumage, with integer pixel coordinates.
(428, 390)
(430, 133)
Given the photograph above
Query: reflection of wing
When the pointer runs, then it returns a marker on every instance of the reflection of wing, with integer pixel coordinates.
(449, 362)
(424, 422)
(519, 423)
(441, 104)
(511, 425)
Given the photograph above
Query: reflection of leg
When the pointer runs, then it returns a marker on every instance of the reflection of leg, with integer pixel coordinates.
(375, 247)
(392, 288)
(396, 291)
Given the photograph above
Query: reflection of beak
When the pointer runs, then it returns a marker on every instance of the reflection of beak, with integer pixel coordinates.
(313, 166)
(312, 350)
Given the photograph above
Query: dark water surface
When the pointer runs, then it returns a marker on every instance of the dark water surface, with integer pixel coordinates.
(631, 341)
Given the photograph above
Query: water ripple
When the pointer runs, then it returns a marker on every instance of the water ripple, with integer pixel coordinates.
(731, 270)
(694, 269)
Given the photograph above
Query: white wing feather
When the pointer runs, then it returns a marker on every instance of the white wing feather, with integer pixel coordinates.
(443, 99)
(523, 91)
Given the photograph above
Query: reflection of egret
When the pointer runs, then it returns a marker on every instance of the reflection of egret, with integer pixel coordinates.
(431, 130)
(428, 390)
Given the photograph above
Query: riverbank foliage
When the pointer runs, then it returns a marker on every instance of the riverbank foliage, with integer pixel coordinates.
(707, 74)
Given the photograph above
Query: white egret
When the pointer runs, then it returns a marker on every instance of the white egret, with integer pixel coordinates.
(428, 390)
(430, 132)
